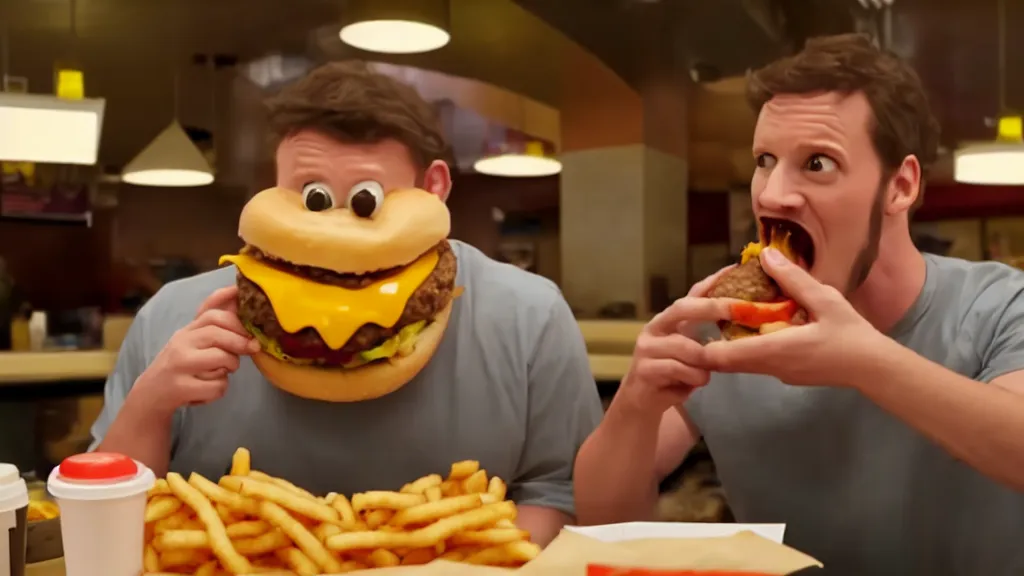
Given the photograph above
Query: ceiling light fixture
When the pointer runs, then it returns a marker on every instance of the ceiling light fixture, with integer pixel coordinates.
(999, 163)
(170, 160)
(396, 26)
(48, 129)
(530, 159)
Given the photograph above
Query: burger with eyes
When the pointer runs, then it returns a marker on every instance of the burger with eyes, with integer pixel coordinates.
(348, 291)
(764, 308)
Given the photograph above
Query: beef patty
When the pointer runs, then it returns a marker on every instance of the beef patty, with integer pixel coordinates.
(747, 282)
(425, 303)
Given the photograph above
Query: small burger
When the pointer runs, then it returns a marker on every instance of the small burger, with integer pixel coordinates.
(348, 300)
(764, 308)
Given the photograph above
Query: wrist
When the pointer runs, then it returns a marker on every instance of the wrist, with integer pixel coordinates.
(148, 408)
(879, 358)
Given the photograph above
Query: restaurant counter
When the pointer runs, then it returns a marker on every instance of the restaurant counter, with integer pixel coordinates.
(26, 368)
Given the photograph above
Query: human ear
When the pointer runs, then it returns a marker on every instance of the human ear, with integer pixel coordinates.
(904, 186)
(438, 179)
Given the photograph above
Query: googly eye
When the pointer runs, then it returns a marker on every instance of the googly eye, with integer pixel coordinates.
(366, 198)
(317, 197)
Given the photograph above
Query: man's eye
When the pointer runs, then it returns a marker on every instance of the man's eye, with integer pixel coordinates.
(765, 161)
(821, 163)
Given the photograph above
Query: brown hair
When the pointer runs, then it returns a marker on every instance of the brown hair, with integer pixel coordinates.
(903, 123)
(353, 103)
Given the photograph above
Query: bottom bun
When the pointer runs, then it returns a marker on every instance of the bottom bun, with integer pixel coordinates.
(356, 384)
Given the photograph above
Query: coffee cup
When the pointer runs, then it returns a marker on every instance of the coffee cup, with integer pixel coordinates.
(13, 521)
(102, 499)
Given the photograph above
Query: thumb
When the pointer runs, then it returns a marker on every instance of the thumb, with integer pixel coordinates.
(795, 282)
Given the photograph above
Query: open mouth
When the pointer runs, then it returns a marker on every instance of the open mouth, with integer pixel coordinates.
(800, 241)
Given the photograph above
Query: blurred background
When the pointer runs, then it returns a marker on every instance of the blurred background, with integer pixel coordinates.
(604, 144)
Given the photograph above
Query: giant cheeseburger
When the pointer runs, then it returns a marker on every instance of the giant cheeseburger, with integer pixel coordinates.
(763, 308)
(349, 302)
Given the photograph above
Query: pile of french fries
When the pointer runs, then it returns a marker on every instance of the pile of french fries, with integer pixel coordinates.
(252, 523)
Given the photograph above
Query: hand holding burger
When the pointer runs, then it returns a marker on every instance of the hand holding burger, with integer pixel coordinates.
(763, 306)
(193, 367)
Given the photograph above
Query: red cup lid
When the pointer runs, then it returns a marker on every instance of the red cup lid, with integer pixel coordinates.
(98, 466)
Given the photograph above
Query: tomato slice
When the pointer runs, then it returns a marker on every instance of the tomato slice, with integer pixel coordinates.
(600, 570)
(754, 314)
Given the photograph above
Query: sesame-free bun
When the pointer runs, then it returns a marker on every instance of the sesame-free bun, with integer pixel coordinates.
(408, 223)
(356, 384)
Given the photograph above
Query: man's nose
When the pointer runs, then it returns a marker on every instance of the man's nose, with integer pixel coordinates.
(779, 193)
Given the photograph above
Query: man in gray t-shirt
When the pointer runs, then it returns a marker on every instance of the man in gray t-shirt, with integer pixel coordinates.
(509, 385)
(888, 432)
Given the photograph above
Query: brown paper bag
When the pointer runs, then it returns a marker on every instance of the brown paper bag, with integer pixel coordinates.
(571, 553)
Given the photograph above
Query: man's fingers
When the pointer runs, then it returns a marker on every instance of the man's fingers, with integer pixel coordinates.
(223, 319)
(210, 362)
(672, 346)
(672, 371)
(796, 282)
(222, 299)
(701, 288)
(753, 355)
(219, 338)
(205, 391)
(689, 309)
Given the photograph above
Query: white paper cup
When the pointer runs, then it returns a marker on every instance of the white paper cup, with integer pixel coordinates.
(13, 521)
(102, 499)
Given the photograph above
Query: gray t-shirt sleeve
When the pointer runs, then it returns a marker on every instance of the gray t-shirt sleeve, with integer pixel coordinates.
(1003, 351)
(564, 408)
(131, 362)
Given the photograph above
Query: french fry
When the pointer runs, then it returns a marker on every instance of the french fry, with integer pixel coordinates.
(160, 488)
(303, 538)
(463, 470)
(309, 507)
(281, 482)
(247, 529)
(161, 507)
(420, 485)
(241, 462)
(476, 483)
(230, 499)
(219, 541)
(248, 522)
(346, 515)
(380, 499)
(381, 558)
(298, 562)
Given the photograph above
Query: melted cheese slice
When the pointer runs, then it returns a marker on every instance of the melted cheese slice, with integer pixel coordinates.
(334, 312)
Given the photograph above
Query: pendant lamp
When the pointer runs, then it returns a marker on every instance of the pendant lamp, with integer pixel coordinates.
(396, 26)
(171, 160)
(1000, 162)
(994, 163)
(519, 160)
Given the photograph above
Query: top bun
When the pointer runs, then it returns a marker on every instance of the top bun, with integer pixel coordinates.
(408, 224)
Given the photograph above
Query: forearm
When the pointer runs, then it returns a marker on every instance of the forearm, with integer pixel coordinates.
(543, 524)
(615, 478)
(980, 424)
(141, 434)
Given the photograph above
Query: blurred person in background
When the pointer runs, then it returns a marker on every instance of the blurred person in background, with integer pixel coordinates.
(510, 384)
(888, 433)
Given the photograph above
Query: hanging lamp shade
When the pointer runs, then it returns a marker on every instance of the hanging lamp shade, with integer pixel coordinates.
(999, 163)
(531, 158)
(396, 26)
(171, 159)
(44, 128)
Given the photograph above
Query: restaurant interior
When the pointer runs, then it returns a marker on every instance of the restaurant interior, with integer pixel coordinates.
(603, 144)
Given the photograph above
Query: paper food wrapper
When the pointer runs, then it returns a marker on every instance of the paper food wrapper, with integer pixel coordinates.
(730, 547)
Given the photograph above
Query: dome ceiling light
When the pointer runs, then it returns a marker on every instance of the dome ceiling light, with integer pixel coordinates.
(396, 26)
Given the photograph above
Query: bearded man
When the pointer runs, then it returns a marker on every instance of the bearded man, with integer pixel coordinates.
(888, 432)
